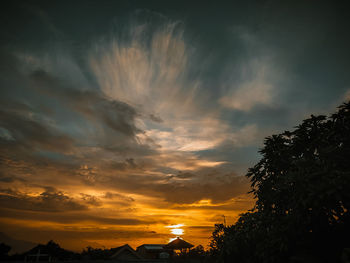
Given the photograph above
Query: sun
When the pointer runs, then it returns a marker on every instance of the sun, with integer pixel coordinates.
(177, 231)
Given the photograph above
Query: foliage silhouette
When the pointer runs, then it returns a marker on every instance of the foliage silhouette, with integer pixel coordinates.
(53, 250)
(302, 191)
(4, 250)
(97, 253)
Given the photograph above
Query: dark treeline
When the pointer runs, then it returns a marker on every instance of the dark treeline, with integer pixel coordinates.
(51, 248)
(302, 191)
(56, 253)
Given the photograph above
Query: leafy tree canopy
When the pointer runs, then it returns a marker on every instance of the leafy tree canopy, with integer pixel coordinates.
(302, 190)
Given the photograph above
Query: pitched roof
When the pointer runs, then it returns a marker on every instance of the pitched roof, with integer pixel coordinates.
(126, 247)
(178, 243)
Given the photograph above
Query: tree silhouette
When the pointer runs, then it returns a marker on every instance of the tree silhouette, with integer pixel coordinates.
(302, 191)
(52, 250)
(4, 250)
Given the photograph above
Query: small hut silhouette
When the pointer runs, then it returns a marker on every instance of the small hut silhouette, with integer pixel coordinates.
(179, 244)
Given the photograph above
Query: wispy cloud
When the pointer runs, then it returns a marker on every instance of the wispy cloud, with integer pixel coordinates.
(254, 89)
(253, 82)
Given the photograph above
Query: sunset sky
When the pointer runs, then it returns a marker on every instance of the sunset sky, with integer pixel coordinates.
(136, 121)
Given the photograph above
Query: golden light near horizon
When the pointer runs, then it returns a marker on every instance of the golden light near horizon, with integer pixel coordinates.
(176, 229)
(172, 239)
(175, 226)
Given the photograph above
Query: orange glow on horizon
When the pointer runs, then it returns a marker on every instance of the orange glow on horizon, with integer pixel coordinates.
(96, 227)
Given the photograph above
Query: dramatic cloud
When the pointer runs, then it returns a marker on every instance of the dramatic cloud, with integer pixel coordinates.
(48, 201)
(117, 121)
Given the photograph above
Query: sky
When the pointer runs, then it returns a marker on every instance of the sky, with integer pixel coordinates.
(136, 121)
